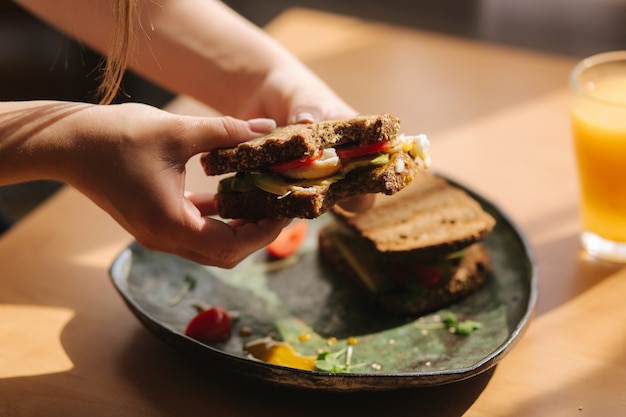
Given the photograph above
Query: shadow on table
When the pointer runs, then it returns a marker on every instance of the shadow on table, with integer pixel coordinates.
(565, 270)
(121, 369)
(199, 389)
(160, 381)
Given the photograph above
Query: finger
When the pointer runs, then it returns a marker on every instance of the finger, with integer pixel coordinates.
(227, 244)
(238, 223)
(204, 202)
(254, 235)
(311, 115)
(318, 106)
(223, 132)
(262, 125)
(305, 117)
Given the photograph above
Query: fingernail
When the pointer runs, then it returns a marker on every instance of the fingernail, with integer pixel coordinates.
(262, 125)
(305, 117)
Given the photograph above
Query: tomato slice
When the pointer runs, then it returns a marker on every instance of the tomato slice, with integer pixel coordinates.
(346, 152)
(289, 240)
(295, 163)
(426, 275)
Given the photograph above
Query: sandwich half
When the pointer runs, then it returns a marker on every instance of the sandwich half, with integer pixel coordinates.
(413, 252)
(303, 170)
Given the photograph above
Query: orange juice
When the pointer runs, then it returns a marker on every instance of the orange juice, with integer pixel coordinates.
(599, 124)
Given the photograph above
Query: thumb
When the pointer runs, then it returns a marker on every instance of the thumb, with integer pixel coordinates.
(225, 132)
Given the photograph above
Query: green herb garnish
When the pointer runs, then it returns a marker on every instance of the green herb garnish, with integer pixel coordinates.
(465, 327)
(336, 362)
(451, 322)
(188, 285)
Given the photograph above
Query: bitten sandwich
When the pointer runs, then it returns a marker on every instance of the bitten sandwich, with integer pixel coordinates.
(303, 170)
(413, 252)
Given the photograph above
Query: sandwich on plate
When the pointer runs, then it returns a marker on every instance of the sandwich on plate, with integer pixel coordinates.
(413, 252)
(303, 170)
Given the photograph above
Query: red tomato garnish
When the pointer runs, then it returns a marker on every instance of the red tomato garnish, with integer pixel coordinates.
(425, 275)
(289, 240)
(295, 163)
(346, 152)
(428, 275)
(211, 325)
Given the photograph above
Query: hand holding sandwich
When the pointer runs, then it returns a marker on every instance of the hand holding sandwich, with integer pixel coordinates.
(130, 160)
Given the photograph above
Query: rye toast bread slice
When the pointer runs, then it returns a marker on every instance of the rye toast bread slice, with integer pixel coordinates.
(313, 201)
(467, 277)
(431, 227)
(428, 218)
(295, 141)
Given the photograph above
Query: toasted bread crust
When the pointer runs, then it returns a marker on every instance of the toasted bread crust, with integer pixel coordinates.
(312, 202)
(295, 141)
(428, 218)
(469, 275)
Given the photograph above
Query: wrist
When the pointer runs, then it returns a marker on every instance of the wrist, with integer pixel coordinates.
(35, 138)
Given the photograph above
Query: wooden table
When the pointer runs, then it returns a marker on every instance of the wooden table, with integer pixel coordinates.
(497, 119)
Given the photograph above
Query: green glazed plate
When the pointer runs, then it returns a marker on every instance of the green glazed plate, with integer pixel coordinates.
(305, 298)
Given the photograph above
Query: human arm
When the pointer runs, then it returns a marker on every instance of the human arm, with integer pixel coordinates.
(130, 160)
(203, 49)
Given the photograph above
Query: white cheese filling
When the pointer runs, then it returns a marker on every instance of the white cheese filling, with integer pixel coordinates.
(329, 163)
(416, 145)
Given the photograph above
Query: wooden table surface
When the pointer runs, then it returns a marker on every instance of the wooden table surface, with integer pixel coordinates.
(497, 120)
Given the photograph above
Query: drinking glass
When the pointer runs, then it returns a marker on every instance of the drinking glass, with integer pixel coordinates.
(598, 117)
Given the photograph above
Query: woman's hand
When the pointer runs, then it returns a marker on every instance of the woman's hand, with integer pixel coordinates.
(291, 93)
(137, 174)
(130, 160)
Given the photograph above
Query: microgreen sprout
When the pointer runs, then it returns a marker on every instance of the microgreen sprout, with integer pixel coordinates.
(452, 324)
(188, 285)
(336, 362)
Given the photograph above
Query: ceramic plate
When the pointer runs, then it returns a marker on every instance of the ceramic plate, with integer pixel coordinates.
(304, 297)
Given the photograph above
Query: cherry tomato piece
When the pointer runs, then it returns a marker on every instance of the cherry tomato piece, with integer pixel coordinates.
(299, 162)
(425, 275)
(289, 240)
(428, 275)
(346, 152)
(211, 325)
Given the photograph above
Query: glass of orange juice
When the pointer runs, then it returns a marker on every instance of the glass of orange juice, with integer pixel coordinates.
(598, 115)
